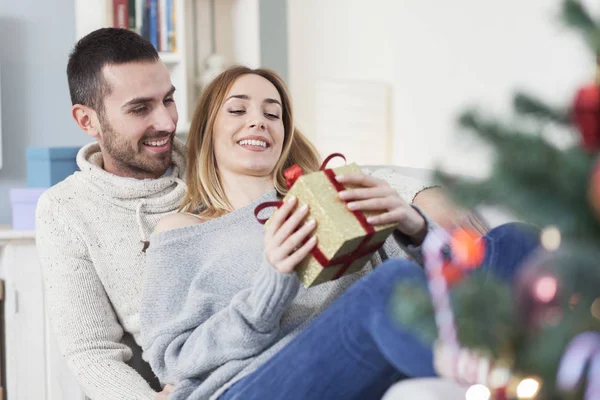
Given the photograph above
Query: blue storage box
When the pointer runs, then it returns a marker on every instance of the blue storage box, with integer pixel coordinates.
(46, 166)
(23, 203)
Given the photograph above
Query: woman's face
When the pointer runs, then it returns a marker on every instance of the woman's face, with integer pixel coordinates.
(248, 133)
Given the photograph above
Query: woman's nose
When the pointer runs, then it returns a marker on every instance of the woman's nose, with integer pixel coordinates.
(257, 124)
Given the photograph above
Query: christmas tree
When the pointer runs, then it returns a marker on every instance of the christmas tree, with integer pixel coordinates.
(538, 337)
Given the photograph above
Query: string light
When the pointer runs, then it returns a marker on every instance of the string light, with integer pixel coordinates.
(545, 289)
(528, 388)
(499, 376)
(550, 238)
(478, 392)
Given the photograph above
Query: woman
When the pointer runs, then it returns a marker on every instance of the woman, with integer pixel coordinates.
(223, 315)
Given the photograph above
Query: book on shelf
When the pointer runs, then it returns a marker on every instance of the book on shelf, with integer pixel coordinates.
(153, 24)
(120, 13)
(171, 24)
(162, 24)
(131, 9)
(155, 20)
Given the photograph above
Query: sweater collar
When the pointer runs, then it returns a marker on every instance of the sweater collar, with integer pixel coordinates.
(158, 195)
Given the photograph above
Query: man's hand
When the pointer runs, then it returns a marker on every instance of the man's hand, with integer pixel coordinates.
(436, 204)
(164, 395)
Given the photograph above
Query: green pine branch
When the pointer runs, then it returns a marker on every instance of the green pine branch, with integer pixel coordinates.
(483, 313)
(576, 267)
(575, 16)
(541, 184)
(412, 307)
(532, 107)
(488, 320)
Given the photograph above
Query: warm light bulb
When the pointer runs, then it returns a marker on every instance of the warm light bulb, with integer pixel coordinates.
(545, 289)
(550, 238)
(478, 392)
(499, 376)
(528, 388)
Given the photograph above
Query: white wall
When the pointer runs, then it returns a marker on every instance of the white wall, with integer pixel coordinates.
(246, 32)
(35, 40)
(259, 34)
(437, 57)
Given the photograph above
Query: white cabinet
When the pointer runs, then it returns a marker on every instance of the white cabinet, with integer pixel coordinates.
(34, 367)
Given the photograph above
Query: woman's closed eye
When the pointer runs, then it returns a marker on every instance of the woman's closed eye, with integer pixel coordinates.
(241, 111)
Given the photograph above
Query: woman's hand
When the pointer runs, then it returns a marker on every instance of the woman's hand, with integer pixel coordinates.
(376, 195)
(286, 241)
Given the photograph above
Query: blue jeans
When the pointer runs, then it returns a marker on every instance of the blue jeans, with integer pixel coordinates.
(354, 349)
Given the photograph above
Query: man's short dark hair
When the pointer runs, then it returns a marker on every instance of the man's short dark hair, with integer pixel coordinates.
(105, 46)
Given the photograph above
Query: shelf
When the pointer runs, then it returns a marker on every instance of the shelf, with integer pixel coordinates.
(170, 58)
(7, 235)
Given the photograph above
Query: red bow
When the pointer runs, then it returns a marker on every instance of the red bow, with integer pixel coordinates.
(292, 174)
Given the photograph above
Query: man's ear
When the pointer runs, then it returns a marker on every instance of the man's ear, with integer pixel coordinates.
(87, 119)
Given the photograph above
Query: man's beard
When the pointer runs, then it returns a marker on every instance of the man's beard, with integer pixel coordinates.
(131, 159)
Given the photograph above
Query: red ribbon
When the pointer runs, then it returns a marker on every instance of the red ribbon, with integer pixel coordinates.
(362, 249)
(329, 158)
(264, 205)
(292, 174)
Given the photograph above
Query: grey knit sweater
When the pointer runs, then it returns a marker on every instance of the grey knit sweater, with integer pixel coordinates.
(214, 310)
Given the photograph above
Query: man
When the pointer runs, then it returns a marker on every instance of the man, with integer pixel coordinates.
(93, 228)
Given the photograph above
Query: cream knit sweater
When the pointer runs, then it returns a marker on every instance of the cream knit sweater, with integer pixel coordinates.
(90, 230)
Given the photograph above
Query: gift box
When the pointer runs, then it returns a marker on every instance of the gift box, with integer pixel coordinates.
(46, 166)
(345, 240)
(23, 203)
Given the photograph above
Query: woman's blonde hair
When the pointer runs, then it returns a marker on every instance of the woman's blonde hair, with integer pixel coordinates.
(205, 193)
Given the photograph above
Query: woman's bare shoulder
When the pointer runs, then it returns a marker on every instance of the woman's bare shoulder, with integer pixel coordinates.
(177, 220)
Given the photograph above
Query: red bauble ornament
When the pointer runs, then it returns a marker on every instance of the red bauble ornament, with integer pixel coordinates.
(538, 292)
(586, 115)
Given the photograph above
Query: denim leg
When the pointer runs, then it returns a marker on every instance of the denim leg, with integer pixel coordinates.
(507, 246)
(352, 350)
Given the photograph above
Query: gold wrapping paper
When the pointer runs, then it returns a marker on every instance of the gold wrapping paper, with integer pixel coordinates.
(338, 231)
